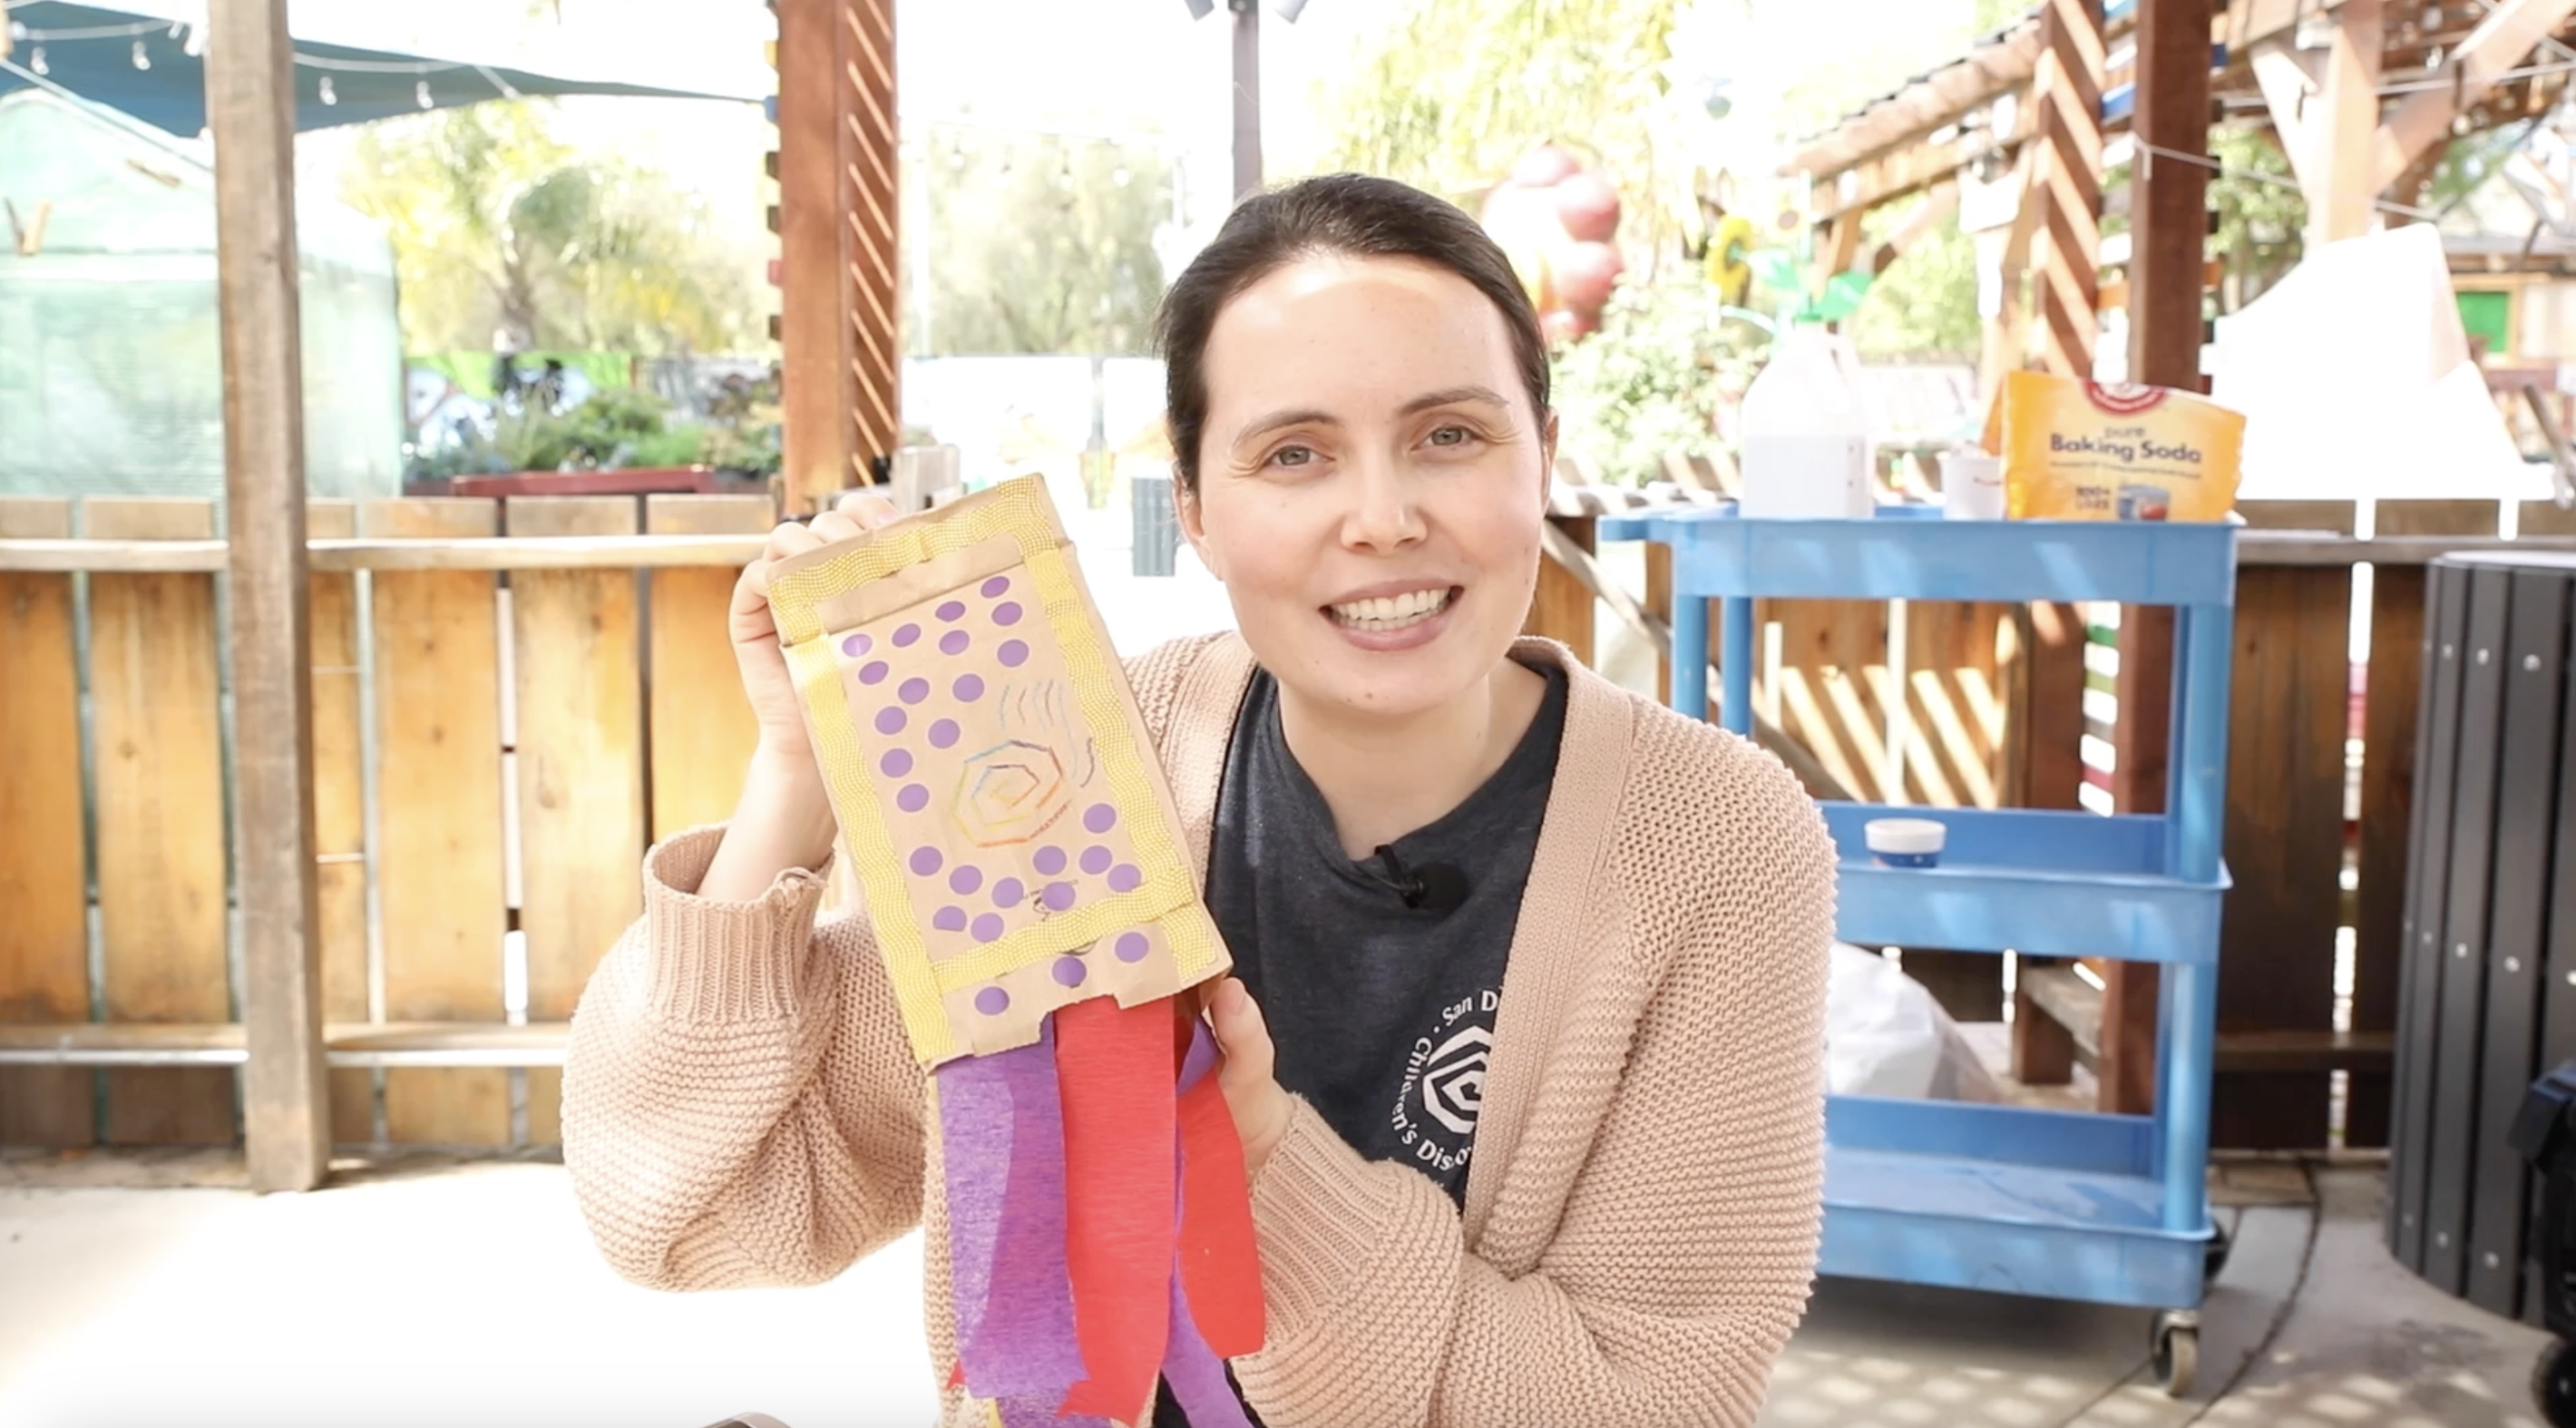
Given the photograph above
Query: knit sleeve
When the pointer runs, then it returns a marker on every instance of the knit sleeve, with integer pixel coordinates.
(1687, 1248)
(740, 1104)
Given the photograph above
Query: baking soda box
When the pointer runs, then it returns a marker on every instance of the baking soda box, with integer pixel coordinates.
(2074, 450)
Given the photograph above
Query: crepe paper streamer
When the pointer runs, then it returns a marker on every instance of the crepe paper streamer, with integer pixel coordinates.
(1114, 1069)
(975, 1134)
(1196, 1374)
(1025, 1341)
(1219, 1264)
(1038, 1411)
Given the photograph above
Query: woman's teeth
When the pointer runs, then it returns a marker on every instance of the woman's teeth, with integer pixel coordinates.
(1392, 612)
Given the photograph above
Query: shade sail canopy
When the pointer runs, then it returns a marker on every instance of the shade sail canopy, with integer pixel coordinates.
(153, 68)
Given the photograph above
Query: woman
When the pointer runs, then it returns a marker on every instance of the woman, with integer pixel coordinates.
(1456, 871)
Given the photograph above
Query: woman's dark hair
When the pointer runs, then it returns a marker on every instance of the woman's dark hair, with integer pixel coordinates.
(1350, 214)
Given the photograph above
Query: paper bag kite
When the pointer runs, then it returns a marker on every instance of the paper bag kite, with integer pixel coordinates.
(1025, 872)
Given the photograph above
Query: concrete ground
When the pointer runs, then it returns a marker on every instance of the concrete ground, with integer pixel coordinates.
(436, 1293)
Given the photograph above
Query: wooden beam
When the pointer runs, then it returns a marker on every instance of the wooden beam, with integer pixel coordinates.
(2288, 79)
(1936, 208)
(2423, 119)
(349, 1044)
(250, 108)
(2168, 269)
(2342, 190)
(870, 148)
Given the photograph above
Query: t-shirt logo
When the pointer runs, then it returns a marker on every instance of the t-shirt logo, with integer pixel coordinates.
(1453, 1080)
(1444, 1084)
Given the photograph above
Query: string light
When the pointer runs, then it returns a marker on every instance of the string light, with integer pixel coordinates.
(330, 93)
(142, 60)
(1120, 177)
(37, 63)
(420, 94)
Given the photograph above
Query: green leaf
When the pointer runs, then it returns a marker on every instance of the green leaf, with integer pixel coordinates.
(1777, 269)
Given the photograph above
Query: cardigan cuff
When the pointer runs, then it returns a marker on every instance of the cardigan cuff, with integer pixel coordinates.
(718, 962)
(1317, 1212)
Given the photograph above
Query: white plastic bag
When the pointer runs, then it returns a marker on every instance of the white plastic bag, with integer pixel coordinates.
(1886, 1036)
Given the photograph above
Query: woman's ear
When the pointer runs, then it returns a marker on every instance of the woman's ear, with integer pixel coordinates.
(1193, 524)
(1547, 428)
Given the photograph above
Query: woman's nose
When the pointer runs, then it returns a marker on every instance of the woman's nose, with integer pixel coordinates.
(1384, 513)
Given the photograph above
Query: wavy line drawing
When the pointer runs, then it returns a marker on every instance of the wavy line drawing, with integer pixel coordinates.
(1009, 794)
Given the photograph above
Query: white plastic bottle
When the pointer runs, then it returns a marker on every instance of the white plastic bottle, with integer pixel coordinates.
(1806, 446)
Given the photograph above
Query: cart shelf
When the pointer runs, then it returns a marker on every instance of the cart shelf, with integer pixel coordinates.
(2112, 1209)
(2026, 880)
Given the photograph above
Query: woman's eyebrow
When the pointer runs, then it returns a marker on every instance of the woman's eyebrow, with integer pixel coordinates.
(1301, 416)
(1452, 396)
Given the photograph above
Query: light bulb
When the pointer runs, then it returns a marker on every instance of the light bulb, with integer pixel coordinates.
(420, 94)
(1120, 178)
(37, 63)
(330, 92)
(141, 59)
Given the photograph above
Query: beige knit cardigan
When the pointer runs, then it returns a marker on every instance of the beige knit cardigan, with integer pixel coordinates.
(1640, 1230)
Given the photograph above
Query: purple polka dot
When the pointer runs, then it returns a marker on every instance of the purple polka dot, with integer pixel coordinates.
(952, 610)
(968, 688)
(1095, 860)
(1100, 818)
(992, 1001)
(1049, 861)
(925, 862)
(1132, 947)
(913, 690)
(1058, 897)
(1007, 613)
(996, 586)
(949, 919)
(965, 878)
(1125, 877)
(988, 927)
(1009, 893)
(889, 720)
(912, 798)
(1069, 971)
(904, 635)
(953, 643)
(943, 732)
(873, 672)
(856, 645)
(1012, 654)
(896, 763)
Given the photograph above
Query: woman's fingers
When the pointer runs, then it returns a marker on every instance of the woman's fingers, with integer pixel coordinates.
(868, 508)
(1241, 1034)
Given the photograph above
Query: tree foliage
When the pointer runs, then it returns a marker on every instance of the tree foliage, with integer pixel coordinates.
(1446, 94)
(497, 225)
(1043, 243)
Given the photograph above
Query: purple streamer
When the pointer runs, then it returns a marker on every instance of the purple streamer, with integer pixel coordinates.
(975, 1150)
(1037, 1410)
(1024, 1340)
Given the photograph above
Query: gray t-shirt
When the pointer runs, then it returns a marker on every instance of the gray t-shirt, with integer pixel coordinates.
(1382, 1012)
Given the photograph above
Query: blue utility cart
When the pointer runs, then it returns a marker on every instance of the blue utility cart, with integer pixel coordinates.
(2105, 1208)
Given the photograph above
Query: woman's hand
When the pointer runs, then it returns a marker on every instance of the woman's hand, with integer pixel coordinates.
(1260, 1107)
(765, 681)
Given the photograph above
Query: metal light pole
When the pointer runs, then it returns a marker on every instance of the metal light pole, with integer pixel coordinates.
(1247, 81)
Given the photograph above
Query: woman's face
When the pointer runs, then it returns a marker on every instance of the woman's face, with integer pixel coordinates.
(1372, 479)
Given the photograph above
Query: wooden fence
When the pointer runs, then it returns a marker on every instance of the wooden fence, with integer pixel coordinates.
(511, 700)
(578, 670)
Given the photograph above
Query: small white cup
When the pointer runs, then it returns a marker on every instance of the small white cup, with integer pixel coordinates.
(1972, 485)
(1905, 842)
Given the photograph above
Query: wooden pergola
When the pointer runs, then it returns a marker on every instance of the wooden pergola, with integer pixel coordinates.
(836, 219)
(2018, 137)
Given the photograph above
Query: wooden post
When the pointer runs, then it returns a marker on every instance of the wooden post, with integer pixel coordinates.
(1247, 97)
(2343, 189)
(2067, 181)
(837, 212)
(250, 107)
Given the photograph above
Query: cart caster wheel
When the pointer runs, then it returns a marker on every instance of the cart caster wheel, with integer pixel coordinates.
(2213, 1256)
(2553, 1384)
(2176, 1352)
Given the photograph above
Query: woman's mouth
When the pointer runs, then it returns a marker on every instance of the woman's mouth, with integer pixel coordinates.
(1388, 614)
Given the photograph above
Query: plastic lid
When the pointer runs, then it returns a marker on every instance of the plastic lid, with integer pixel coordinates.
(1905, 835)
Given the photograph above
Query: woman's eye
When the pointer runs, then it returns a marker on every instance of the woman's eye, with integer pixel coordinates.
(1451, 436)
(1293, 456)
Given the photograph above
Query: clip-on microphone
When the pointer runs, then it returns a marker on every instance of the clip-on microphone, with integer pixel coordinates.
(1433, 887)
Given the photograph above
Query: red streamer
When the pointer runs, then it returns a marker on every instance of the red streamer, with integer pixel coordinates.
(1113, 1068)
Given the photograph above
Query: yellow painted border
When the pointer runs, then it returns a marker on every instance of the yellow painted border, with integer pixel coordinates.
(1019, 510)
